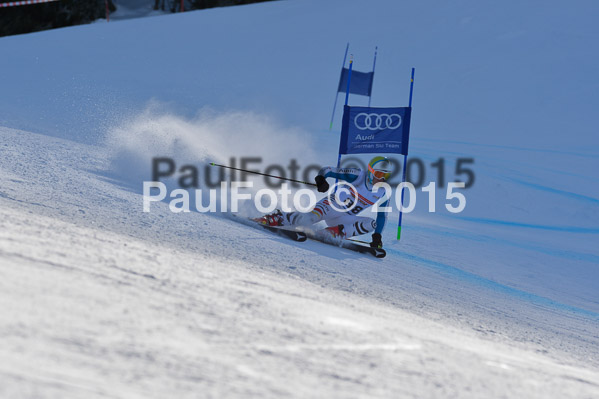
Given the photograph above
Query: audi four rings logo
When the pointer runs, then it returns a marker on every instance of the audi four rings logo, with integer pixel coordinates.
(364, 121)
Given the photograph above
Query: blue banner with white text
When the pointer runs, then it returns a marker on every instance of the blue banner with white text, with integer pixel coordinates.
(367, 130)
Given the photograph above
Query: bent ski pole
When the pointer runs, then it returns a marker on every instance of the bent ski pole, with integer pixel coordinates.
(262, 174)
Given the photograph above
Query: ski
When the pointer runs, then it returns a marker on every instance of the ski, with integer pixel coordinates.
(293, 234)
(376, 252)
(288, 233)
(301, 236)
(352, 245)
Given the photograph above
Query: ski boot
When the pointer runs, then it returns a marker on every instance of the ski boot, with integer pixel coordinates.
(275, 219)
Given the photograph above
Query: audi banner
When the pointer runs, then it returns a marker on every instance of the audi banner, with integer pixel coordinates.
(375, 130)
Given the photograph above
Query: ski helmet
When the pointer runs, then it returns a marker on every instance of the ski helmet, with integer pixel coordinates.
(379, 168)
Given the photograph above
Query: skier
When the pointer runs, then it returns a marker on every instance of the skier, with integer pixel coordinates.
(342, 216)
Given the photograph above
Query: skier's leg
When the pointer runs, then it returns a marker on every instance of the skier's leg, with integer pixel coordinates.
(358, 225)
(353, 225)
(301, 218)
(322, 210)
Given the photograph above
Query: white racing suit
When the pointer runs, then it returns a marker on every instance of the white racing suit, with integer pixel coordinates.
(354, 198)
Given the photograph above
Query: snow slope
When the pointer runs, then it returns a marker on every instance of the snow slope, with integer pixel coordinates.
(500, 300)
(100, 299)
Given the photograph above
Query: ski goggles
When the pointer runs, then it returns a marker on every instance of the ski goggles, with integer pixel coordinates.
(379, 174)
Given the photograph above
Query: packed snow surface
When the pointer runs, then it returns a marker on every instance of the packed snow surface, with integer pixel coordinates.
(101, 299)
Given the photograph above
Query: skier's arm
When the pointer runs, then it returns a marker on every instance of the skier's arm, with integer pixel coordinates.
(348, 174)
(381, 219)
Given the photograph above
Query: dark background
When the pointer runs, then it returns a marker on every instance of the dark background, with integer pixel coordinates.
(36, 17)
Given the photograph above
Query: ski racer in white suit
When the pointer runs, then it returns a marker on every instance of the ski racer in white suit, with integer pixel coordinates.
(342, 216)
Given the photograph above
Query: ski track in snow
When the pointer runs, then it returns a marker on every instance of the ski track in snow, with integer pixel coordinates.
(95, 291)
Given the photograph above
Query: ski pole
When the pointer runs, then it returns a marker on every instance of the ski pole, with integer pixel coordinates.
(263, 174)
